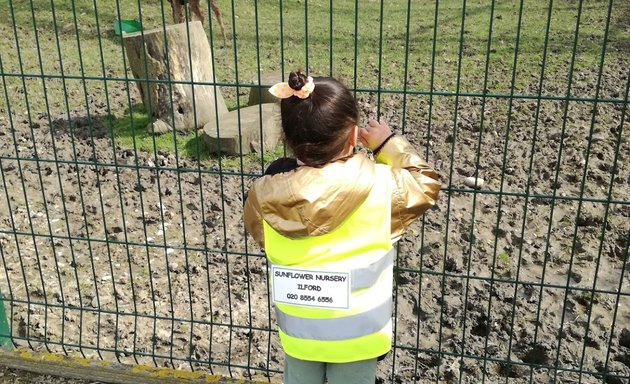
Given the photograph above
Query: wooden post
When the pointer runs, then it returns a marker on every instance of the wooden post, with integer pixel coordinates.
(75, 367)
(165, 54)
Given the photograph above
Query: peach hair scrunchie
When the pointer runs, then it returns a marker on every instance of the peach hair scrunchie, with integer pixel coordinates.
(284, 91)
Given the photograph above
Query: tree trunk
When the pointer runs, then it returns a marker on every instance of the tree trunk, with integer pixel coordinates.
(163, 54)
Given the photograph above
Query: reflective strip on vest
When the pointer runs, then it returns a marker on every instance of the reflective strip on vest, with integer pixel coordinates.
(339, 328)
(367, 276)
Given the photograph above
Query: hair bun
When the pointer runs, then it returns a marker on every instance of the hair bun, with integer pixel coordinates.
(297, 80)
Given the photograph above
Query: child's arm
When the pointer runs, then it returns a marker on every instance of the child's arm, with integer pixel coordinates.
(416, 184)
(253, 218)
(252, 211)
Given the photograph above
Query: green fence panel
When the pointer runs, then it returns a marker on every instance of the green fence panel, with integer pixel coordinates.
(124, 245)
(5, 331)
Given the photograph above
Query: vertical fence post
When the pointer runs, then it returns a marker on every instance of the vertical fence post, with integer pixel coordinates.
(5, 332)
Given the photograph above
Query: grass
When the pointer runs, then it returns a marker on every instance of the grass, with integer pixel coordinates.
(503, 259)
(130, 132)
(72, 44)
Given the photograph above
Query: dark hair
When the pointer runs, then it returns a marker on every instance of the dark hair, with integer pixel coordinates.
(316, 128)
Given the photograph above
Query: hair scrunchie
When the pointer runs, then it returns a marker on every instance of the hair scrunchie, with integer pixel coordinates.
(284, 91)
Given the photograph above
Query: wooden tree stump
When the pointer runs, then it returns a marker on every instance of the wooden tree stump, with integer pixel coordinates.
(242, 131)
(259, 93)
(164, 54)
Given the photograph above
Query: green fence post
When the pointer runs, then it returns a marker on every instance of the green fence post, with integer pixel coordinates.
(5, 332)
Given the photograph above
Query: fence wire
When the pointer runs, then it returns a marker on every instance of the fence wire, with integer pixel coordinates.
(123, 245)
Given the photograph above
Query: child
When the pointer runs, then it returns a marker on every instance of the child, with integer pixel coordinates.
(328, 219)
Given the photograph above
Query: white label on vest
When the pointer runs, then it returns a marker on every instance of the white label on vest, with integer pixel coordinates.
(311, 288)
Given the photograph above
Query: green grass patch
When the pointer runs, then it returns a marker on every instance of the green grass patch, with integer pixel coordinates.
(130, 132)
(503, 259)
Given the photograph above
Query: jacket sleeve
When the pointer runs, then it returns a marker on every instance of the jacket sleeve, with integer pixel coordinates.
(416, 184)
(253, 217)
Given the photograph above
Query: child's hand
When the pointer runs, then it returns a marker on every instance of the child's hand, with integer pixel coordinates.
(374, 134)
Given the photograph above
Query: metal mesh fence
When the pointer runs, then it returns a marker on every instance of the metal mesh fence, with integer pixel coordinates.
(123, 245)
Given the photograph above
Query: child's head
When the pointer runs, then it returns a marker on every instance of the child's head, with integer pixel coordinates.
(316, 128)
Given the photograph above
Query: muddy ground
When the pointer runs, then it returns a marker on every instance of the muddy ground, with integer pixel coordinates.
(142, 257)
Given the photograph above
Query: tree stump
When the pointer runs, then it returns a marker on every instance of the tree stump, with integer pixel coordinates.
(259, 93)
(164, 54)
(250, 129)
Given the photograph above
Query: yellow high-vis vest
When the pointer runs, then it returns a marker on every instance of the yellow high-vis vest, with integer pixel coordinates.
(333, 293)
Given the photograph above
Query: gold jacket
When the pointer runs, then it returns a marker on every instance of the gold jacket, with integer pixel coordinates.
(310, 201)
